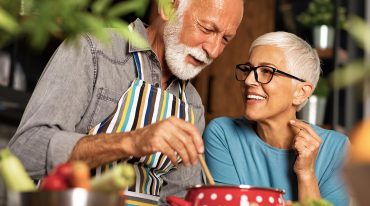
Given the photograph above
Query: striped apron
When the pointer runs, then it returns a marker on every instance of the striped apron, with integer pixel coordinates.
(143, 104)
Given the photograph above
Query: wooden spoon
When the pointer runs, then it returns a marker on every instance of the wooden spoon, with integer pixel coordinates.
(206, 170)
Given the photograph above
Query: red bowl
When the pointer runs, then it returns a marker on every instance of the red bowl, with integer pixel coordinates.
(223, 195)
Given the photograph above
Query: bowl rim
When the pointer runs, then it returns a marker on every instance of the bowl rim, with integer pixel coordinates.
(237, 187)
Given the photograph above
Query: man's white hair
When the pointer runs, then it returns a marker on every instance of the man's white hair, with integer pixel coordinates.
(176, 52)
(302, 60)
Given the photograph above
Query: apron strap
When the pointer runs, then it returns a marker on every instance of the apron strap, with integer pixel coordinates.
(138, 60)
(182, 89)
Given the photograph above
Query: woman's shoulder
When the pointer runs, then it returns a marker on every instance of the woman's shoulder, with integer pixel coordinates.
(224, 127)
(331, 137)
(228, 122)
(222, 119)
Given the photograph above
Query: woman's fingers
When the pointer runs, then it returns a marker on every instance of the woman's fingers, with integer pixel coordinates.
(304, 148)
(306, 129)
(307, 144)
(308, 138)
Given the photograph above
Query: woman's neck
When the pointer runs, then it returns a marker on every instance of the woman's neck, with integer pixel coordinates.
(277, 133)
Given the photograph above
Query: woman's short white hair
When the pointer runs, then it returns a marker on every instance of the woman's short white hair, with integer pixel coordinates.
(302, 59)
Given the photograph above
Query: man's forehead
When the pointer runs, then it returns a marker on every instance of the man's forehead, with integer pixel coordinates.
(218, 4)
(216, 10)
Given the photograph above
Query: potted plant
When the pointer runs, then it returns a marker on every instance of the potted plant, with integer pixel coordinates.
(314, 111)
(319, 16)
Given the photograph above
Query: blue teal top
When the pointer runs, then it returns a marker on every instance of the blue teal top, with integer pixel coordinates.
(236, 155)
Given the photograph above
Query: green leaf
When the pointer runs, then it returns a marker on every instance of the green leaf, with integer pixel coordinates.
(7, 22)
(95, 26)
(63, 18)
(99, 6)
(320, 12)
(322, 88)
(310, 202)
(166, 5)
(123, 8)
(132, 36)
(359, 30)
(26, 7)
(39, 38)
(351, 73)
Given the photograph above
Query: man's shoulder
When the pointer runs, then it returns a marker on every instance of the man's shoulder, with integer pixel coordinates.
(193, 96)
(114, 46)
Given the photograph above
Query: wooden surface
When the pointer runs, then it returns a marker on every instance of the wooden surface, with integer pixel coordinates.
(220, 92)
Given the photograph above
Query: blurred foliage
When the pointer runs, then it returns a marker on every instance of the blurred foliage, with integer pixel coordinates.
(357, 70)
(166, 5)
(38, 20)
(321, 202)
(322, 88)
(320, 12)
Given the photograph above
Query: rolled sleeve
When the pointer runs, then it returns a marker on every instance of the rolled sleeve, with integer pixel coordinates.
(60, 147)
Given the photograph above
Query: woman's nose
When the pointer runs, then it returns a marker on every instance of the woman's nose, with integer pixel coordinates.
(251, 79)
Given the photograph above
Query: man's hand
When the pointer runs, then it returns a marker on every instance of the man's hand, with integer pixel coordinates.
(307, 144)
(171, 136)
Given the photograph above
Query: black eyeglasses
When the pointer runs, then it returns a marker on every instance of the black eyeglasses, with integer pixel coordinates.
(263, 74)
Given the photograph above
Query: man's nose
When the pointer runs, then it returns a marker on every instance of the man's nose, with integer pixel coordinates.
(214, 47)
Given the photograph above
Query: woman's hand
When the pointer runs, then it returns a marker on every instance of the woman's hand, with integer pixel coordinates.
(307, 144)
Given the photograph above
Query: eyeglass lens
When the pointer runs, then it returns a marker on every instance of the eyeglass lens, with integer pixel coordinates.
(264, 74)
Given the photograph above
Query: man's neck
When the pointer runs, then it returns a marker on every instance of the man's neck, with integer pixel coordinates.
(155, 38)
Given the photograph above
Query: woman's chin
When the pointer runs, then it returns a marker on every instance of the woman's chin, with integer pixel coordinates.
(251, 117)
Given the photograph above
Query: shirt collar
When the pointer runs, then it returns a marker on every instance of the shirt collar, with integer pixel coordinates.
(139, 27)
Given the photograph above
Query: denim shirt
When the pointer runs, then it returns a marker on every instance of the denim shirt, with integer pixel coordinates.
(80, 86)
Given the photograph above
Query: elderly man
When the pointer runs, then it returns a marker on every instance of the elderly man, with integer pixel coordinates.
(104, 104)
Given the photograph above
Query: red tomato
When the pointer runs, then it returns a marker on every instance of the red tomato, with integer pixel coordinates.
(53, 183)
(64, 170)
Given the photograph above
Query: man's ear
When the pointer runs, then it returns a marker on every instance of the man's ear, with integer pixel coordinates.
(167, 8)
(302, 92)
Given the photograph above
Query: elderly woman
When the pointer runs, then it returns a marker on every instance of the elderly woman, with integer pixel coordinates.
(269, 146)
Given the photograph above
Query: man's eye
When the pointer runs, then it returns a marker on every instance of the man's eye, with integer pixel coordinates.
(205, 29)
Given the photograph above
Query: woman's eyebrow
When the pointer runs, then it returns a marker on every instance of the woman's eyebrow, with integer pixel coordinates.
(262, 64)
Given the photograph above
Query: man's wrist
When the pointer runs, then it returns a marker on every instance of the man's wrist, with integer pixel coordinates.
(127, 145)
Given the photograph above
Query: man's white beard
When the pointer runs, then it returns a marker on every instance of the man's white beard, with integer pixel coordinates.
(175, 52)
